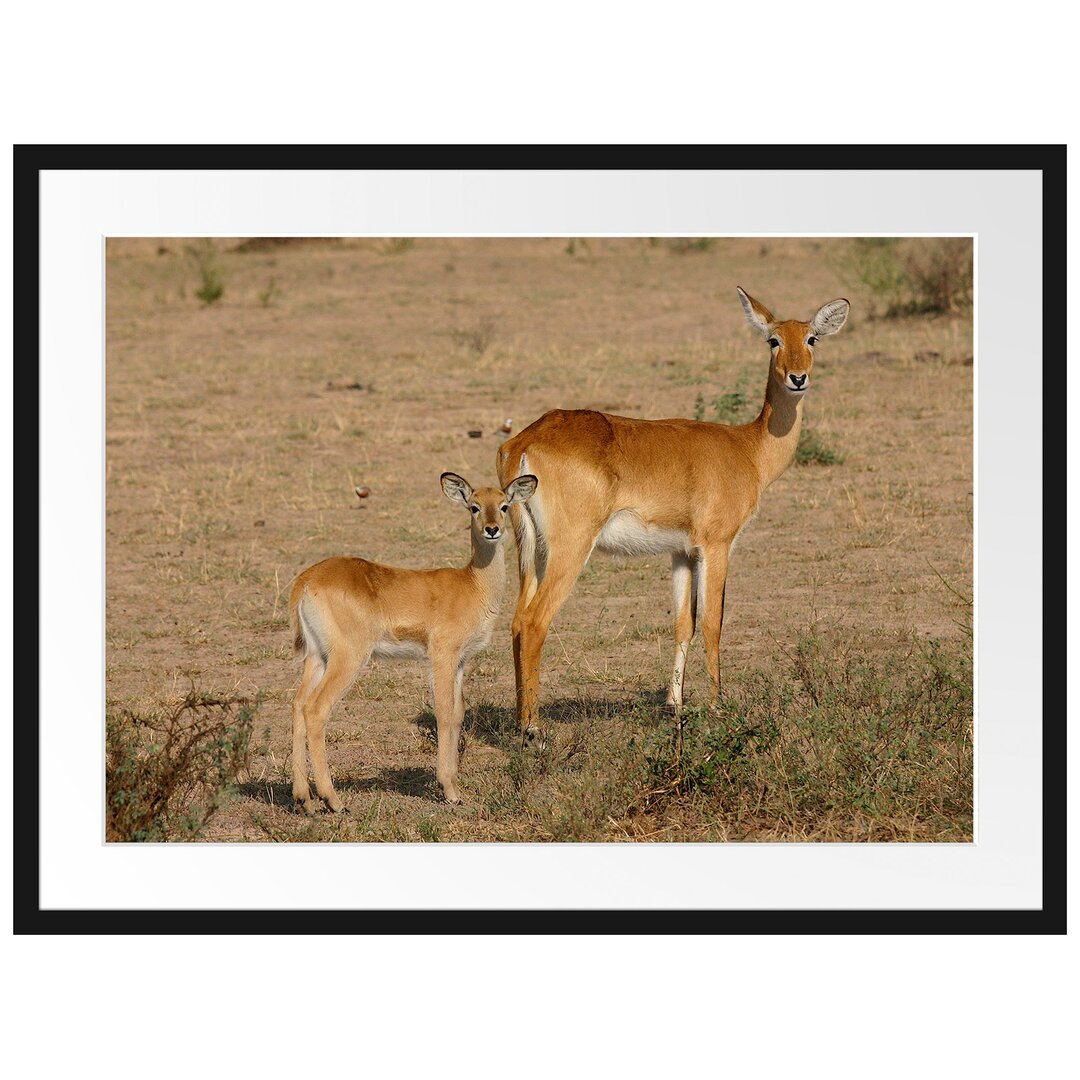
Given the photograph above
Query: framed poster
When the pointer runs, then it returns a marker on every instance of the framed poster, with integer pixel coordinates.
(257, 358)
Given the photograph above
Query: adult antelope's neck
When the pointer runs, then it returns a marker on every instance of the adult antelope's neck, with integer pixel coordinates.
(778, 431)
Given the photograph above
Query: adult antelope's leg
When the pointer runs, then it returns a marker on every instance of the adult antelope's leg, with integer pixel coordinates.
(684, 592)
(341, 669)
(526, 594)
(313, 669)
(713, 579)
(445, 674)
(564, 564)
(528, 582)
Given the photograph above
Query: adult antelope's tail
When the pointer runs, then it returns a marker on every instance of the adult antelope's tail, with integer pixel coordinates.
(525, 518)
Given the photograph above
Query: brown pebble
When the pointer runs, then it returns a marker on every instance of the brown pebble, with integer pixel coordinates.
(362, 492)
(475, 434)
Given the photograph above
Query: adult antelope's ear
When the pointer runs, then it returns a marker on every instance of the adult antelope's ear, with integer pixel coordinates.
(524, 487)
(757, 315)
(456, 488)
(831, 317)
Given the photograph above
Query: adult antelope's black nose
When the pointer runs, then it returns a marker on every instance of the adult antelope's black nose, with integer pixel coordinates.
(492, 530)
(797, 380)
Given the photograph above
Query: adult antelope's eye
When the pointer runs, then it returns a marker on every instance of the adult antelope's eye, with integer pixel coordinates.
(475, 509)
(811, 340)
(503, 509)
(774, 343)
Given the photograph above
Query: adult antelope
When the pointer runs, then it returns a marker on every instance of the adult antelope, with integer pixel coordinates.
(345, 610)
(647, 487)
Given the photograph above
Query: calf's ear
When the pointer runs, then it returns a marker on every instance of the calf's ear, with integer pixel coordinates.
(521, 489)
(456, 488)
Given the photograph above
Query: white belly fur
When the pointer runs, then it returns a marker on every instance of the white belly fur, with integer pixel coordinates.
(391, 649)
(625, 533)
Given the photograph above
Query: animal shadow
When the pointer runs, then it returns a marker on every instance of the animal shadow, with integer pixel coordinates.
(492, 725)
(497, 725)
(419, 783)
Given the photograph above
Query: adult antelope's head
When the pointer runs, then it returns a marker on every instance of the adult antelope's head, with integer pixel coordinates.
(488, 506)
(792, 342)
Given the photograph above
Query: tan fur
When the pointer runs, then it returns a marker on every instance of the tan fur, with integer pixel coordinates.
(651, 485)
(344, 610)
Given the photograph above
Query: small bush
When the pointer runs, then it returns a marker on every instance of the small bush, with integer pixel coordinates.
(270, 294)
(941, 275)
(739, 407)
(690, 245)
(166, 774)
(840, 735)
(733, 407)
(395, 245)
(911, 276)
(812, 451)
(204, 255)
(478, 337)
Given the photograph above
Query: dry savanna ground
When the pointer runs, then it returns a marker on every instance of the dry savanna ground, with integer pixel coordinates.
(251, 385)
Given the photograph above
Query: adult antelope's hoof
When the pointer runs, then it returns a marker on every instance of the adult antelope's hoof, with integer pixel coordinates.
(533, 738)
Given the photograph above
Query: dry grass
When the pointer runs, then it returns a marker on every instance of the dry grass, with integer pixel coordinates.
(236, 433)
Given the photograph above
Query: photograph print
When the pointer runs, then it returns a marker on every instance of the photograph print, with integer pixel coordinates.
(546, 538)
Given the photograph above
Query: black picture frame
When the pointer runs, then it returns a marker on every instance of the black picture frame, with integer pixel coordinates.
(30, 918)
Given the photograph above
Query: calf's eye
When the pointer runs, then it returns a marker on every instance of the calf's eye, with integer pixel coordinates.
(774, 343)
(811, 340)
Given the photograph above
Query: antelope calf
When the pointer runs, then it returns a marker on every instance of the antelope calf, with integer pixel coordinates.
(344, 611)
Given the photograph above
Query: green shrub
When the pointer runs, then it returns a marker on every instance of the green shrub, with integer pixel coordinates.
(270, 294)
(812, 451)
(910, 276)
(478, 338)
(204, 255)
(167, 773)
(734, 407)
(688, 245)
(834, 732)
(940, 274)
(395, 245)
(739, 407)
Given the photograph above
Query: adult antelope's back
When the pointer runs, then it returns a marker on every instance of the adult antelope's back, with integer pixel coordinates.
(646, 487)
